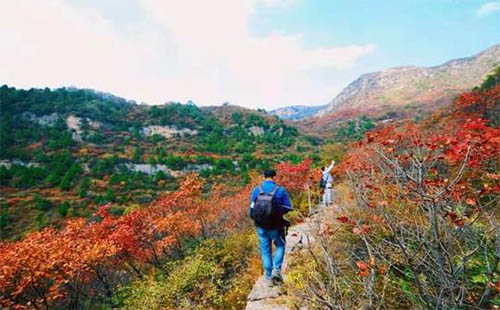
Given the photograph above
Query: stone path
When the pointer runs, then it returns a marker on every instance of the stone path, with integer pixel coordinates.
(263, 297)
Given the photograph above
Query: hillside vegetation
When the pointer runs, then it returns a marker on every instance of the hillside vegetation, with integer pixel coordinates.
(418, 224)
(417, 227)
(65, 151)
(188, 249)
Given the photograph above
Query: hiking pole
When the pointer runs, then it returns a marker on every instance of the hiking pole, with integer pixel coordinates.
(309, 198)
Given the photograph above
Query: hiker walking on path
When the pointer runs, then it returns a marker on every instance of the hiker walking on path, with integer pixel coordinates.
(268, 203)
(326, 183)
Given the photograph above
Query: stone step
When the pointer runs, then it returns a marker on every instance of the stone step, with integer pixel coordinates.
(265, 305)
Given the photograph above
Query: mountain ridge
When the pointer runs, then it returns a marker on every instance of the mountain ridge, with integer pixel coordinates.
(414, 84)
(402, 85)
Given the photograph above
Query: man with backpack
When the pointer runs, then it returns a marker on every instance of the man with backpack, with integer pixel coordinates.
(326, 183)
(268, 203)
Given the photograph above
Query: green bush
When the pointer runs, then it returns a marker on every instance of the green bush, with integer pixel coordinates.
(41, 204)
(212, 276)
(4, 217)
(63, 208)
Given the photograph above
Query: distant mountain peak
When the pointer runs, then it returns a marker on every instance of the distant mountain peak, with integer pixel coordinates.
(404, 85)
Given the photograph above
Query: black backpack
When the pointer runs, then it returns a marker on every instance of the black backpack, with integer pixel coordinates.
(322, 183)
(264, 212)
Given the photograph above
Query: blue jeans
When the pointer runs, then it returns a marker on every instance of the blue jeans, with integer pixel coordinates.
(266, 237)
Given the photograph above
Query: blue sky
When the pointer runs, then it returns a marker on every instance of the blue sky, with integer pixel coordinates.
(254, 53)
(423, 32)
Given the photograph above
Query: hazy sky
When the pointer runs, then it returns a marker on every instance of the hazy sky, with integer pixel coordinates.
(254, 53)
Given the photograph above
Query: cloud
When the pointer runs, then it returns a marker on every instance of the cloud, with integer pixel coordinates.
(487, 8)
(180, 50)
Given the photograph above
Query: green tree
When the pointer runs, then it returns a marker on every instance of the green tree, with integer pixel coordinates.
(63, 208)
(492, 80)
(84, 187)
(160, 175)
(65, 183)
(152, 160)
(137, 156)
(109, 195)
(137, 131)
(41, 204)
(237, 118)
(4, 217)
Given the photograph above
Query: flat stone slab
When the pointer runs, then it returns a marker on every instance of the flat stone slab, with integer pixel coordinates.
(298, 237)
(261, 290)
(265, 305)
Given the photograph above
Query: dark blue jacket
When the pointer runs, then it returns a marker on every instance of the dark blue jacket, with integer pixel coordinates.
(281, 197)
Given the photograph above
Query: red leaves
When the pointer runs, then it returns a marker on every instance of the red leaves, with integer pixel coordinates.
(382, 269)
(294, 177)
(471, 201)
(459, 222)
(49, 260)
(365, 229)
(478, 102)
(452, 215)
(357, 231)
(363, 269)
(361, 230)
(493, 176)
(343, 219)
(468, 99)
(54, 262)
(455, 219)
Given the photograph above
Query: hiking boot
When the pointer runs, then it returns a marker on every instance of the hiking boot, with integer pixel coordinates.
(276, 277)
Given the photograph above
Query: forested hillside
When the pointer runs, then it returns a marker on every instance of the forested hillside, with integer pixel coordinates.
(65, 151)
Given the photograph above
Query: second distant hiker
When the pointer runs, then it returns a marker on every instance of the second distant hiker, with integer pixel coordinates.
(326, 183)
(268, 203)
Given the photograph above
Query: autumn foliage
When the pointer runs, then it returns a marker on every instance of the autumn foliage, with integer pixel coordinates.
(427, 198)
(86, 261)
(419, 226)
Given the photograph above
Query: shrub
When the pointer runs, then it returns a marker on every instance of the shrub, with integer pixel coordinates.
(419, 225)
(41, 204)
(63, 208)
(213, 276)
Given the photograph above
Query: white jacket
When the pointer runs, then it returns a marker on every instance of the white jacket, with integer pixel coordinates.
(327, 176)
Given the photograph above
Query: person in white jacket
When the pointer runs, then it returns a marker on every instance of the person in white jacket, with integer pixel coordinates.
(328, 179)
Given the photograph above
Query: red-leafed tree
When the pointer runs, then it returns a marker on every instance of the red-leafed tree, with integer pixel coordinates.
(421, 221)
(85, 261)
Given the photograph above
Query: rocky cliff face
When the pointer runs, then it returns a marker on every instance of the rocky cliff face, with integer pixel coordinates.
(297, 112)
(411, 85)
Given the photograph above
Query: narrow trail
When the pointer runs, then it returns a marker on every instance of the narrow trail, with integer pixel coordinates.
(299, 237)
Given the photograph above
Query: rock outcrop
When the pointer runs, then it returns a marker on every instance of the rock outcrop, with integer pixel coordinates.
(153, 169)
(297, 112)
(256, 130)
(43, 120)
(167, 131)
